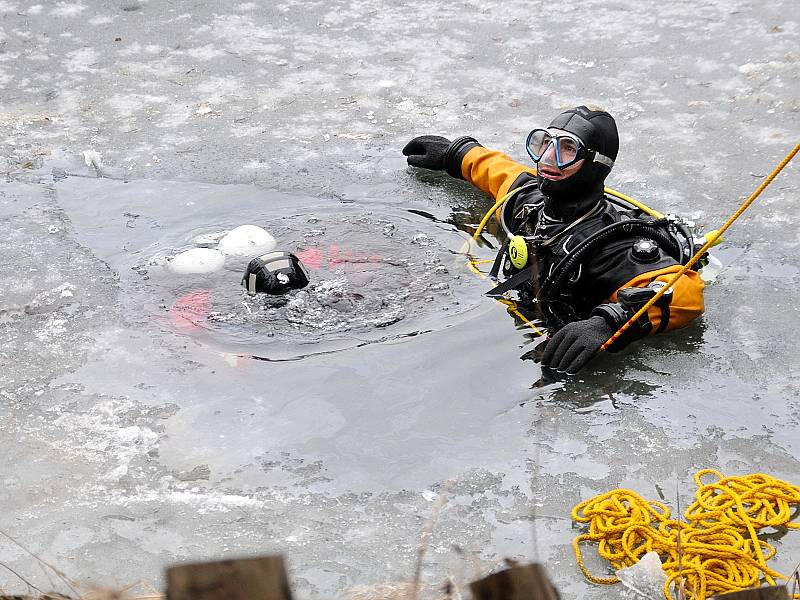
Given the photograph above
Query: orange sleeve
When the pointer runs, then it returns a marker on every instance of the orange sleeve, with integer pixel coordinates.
(687, 296)
(491, 171)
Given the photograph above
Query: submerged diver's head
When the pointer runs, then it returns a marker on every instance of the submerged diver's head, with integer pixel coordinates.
(573, 157)
(275, 273)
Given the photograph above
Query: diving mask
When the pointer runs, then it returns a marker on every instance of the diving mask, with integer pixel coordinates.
(568, 149)
(275, 273)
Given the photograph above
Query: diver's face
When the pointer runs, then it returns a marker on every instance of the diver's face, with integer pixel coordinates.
(547, 166)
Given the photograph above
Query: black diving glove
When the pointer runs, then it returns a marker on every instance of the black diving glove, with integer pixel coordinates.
(427, 151)
(438, 153)
(575, 344)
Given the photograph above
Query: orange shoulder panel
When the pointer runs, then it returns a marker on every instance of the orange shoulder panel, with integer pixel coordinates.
(687, 296)
(491, 171)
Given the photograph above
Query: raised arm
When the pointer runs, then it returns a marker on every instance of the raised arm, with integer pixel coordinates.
(489, 170)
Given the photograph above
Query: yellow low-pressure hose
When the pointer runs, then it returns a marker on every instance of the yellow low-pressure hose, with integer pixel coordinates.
(641, 206)
(489, 214)
(611, 192)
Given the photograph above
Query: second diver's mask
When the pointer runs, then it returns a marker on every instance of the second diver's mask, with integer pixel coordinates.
(275, 273)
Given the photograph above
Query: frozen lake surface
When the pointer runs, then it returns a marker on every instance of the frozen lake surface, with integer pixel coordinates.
(151, 418)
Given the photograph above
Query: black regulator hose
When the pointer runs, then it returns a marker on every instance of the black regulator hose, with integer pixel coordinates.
(653, 230)
(689, 241)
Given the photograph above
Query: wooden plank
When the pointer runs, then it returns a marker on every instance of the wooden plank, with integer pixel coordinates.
(262, 578)
(526, 582)
(776, 592)
(45, 596)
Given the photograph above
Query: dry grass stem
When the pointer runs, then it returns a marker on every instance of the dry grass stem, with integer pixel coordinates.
(42, 563)
(424, 539)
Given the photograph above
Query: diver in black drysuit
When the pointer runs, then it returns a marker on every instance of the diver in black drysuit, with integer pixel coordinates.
(557, 207)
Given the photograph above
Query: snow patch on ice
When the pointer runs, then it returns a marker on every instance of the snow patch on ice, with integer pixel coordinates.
(126, 106)
(100, 435)
(101, 20)
(68, 9)
(53, 329)
(202, 501)
(206, 52)
(81, 60)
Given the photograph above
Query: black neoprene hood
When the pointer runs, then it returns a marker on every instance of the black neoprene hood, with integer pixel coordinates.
(568, 198)
(596, 128)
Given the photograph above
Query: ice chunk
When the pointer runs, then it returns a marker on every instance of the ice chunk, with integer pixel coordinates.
(712, 269)
(92, 158)
(645, 579)
(197, 260)
(207, 240)
(247, 240)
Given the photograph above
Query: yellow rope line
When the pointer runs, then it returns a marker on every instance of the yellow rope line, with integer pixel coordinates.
(473, 266)
(512, 307)
(718, 551)
(510, 304)
(711, 239)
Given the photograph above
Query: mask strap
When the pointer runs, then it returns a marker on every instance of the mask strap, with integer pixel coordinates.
(603, 160)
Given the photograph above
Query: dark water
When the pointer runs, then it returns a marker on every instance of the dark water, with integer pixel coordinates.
(341, 411)
(138, 428)
(377, 275)
(391, 371)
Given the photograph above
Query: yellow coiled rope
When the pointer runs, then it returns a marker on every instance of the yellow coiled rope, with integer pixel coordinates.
(717, 551)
